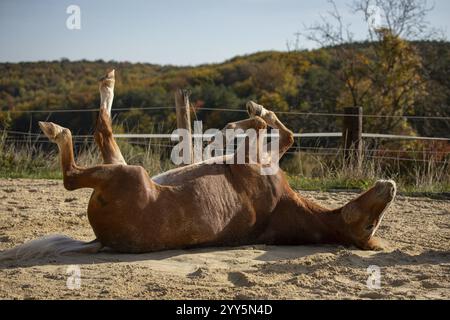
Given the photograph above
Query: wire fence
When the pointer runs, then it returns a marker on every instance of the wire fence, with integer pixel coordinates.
(19, 137)
(320, 114)
(209, 136)
(150, 141)
(86, 139)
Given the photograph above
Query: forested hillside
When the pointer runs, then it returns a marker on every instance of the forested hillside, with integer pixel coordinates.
(303, 81)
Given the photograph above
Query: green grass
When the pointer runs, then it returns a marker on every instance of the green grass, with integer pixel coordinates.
(325, 184)
(310, 172)
(330, 184)
(45, 174)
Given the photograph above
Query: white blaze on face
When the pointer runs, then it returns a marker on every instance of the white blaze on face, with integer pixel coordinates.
(387, 206)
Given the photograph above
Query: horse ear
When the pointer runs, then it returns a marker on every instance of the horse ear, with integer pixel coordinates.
(351, 212)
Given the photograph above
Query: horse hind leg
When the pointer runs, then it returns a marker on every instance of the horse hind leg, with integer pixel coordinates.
(74, 177)
(63, 138)
(103, 134)
(104, 138)
(106, 88)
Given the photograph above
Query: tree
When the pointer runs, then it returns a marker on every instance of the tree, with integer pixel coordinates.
(386, 77)
(395, 83)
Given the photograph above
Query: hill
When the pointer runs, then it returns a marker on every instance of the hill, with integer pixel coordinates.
(303, 81)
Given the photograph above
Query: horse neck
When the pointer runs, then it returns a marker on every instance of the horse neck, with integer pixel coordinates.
(303, 220)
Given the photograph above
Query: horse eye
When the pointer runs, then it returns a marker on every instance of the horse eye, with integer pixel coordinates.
(370, 227)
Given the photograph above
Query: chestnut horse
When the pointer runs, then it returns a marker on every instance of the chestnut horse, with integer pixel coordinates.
(203, 204)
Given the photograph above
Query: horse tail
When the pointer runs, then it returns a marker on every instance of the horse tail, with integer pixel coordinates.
(51, 245)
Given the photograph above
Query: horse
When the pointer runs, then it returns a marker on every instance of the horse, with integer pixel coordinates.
(204, 204)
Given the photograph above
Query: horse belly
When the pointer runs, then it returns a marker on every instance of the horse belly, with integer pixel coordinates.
(231, 209)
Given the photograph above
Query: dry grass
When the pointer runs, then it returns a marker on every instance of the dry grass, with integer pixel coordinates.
(32, 159)
(310, 171)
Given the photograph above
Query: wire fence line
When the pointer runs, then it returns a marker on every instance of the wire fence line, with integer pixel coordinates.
(297, 148)
(371, 157)
(83, 110)
(208, 136)
(305, 151)
(318, 151)
(80, 139)
(443, 118)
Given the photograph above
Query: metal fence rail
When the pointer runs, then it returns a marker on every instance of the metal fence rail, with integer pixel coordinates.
(296, 135)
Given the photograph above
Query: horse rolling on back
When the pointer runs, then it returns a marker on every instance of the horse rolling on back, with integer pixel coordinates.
(203, 204)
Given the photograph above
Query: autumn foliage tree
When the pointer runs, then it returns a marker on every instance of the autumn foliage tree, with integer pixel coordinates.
(386, 78)
(386, 81)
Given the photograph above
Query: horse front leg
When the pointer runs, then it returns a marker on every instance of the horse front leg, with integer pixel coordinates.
(286, 135)
(224, 140)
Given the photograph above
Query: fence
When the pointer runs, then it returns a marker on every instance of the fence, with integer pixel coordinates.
(352, 131)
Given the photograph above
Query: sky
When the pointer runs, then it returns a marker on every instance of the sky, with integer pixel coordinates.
(177, 32)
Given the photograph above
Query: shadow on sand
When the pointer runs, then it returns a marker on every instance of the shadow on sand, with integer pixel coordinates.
(254, 252)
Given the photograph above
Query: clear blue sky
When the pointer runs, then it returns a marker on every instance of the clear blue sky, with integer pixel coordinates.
(177, 32)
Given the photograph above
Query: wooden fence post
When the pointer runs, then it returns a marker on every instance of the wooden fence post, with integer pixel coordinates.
(183, 115)
(352, 134)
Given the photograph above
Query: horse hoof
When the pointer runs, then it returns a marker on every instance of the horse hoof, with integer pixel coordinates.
(108, 76)
(51, 130)
(254, 109)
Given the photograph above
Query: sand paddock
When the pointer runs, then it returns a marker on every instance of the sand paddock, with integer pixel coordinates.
(416, 265)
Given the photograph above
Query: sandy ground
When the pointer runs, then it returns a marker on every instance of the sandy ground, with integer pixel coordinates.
(416, 265)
